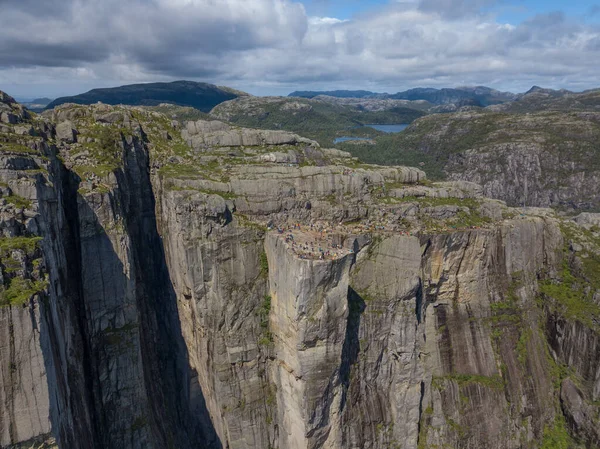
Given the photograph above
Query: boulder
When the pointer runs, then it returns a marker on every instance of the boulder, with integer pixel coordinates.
(66, 132)
(7, 117)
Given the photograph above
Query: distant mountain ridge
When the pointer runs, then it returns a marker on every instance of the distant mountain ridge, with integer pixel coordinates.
(37, 104)
(202, 96)
(540, 99)
(465, 96)
(338, 94)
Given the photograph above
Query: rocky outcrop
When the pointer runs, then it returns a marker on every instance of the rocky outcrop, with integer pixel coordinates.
(260, 293)
(203, 134)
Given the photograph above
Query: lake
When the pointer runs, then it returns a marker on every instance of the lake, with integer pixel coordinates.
(346, 139)
(389, 128)
(383, 128)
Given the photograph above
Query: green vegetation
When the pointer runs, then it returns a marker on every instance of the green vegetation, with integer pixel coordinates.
(431, 141)
(18, 201)
(246, 222)
(556, 435)
(201, 96)
(524, 338)
(467, 217)
(106, 148)
(572, 293)
(457, 428)
(425, 424)
(18, 289)
(570, 298)
(179, 171)
(507, 311)
(266, 336)
(104, 151)
(100, 170)
(317, 120)
(25, 244)
(16, 148)
(428, 143)
(433, 202)
(264, 264)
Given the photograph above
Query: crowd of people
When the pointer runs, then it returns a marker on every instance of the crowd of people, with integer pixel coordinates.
(325, 241)
(317, 241)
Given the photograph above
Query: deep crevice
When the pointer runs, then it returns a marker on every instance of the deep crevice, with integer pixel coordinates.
(351, 347)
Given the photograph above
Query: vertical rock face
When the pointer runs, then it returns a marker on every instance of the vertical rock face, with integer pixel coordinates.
(24, 394)
(308, 320)
(158, 296)
(480, 309)
(219, 287)
(383, 372)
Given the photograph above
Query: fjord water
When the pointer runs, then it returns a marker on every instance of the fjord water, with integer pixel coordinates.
(346, 139)
(383, 128)
(389, 128)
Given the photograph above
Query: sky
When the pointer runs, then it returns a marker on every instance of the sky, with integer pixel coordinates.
(272, 47)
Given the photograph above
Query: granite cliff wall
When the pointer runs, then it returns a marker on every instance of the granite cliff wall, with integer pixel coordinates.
(226, 289)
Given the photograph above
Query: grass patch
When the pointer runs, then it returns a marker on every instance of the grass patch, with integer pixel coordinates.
(264, 264)
(569, 298)
(179, 171)
(17, 148)
(18, 201)
(556, 435)
(100, 170)
(266, 336)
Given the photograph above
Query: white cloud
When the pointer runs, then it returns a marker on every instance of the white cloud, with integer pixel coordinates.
(257, 43)
(316, 21)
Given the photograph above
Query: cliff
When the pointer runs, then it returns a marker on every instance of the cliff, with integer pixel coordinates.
(220, 287)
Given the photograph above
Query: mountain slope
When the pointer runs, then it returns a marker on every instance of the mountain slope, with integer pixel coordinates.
(538, 99)
(541, 159)
(201, 96)
(319, 120)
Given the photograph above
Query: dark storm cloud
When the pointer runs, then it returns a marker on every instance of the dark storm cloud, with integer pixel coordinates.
(39, 8)
(163, 35)
(19, 53)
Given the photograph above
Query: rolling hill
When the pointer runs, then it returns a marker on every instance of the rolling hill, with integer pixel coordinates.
(201, 96)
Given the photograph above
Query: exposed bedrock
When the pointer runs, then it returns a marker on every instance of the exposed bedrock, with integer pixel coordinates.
(287, 297)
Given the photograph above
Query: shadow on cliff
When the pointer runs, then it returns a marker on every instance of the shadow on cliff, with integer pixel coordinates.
(351, 348)
(90, 283)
